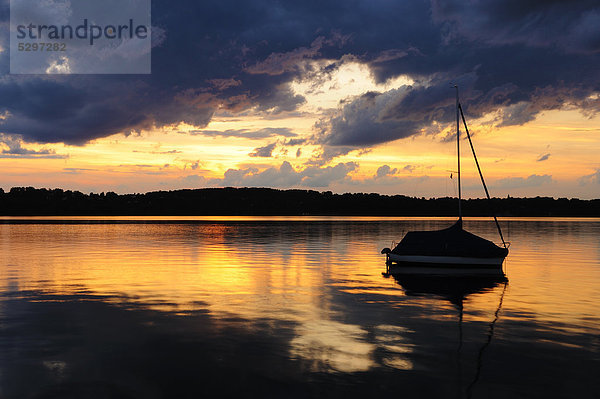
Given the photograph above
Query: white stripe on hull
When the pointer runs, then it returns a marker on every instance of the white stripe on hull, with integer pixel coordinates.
(446, 260)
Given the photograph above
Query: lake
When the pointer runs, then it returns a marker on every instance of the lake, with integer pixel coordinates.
(295, 307)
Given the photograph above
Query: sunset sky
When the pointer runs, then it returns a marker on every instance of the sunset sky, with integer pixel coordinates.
(347, 96)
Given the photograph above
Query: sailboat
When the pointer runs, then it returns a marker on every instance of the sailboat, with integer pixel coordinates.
(453, 250)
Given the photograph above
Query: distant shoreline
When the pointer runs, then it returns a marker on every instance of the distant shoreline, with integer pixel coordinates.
(28, 201)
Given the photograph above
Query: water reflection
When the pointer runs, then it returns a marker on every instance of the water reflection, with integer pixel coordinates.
(289, 308)
(456, 290)
(87, 346)
(396, 345)
(453, 289)
(331, 345)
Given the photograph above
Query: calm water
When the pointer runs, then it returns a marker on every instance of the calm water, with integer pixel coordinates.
(290, 307)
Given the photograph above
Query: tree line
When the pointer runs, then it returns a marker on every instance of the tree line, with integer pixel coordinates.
(21, 201)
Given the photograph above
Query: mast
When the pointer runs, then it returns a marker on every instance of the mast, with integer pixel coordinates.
(487, 193)
(458, 156)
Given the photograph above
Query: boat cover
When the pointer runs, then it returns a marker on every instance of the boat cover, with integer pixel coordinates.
(452, 241)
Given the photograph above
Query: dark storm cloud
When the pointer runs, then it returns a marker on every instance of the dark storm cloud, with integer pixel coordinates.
(516, 66)
(380, 117)
(570, 25)
(77, 109)
(197, 69)
(279, 63)
(521, 57)
(232, 55)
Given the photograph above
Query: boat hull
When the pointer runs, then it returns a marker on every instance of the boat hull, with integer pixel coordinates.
(444, 265)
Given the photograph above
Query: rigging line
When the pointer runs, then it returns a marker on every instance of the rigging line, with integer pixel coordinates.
(486, 344)
(480, 174)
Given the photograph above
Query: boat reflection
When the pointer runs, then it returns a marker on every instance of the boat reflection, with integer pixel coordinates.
(453, 289)
(456, 290)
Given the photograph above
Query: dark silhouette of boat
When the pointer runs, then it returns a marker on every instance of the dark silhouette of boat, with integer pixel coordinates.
(450, 251)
